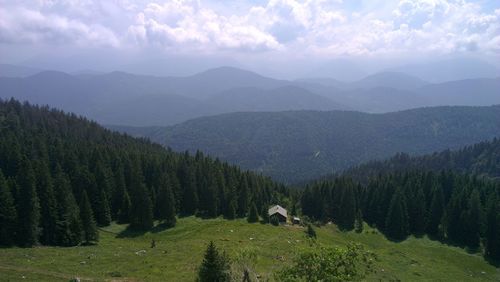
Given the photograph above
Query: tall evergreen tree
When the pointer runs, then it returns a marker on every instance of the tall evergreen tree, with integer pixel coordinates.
(358, 224)
(104, 214)
(215, 266)
(48, 206)
(165, 202)
(417, 213)
(69, 225)
(253, 215)
(189, 201)
(396, 224)
(436, 210)
(8, 214)
(265, 214)
(347, 209)
(141, 210)
(124, 211)
(28, 206)
(472, 220)
(243, 197)
(90, 233)
(492, 244)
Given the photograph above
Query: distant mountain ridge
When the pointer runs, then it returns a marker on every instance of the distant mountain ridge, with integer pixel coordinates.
(300, 145)
(141, 100)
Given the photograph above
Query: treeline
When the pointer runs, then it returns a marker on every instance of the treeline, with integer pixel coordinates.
(61, 176)
(480, 159)
(451, 207)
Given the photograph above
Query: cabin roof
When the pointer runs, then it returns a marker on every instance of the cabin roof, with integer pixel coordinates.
(278, 209)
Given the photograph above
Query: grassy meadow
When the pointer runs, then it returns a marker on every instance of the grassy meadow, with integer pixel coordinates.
(125, 256)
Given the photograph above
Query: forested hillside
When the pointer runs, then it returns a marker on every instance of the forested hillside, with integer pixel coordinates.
(451, 207)
(61, 176)
(303, 145)
(481, 159)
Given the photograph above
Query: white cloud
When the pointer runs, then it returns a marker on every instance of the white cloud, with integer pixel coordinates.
(22, 25)
(287, 26)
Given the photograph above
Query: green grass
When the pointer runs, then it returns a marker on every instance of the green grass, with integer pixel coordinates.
(179, 251)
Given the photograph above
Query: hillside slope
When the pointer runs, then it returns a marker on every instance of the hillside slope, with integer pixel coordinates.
(263, 249)
(300, 145)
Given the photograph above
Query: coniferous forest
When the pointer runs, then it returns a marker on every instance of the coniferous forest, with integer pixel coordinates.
(63, 176)
(454, 208)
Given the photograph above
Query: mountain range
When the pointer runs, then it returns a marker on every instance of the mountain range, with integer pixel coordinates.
(138, 100)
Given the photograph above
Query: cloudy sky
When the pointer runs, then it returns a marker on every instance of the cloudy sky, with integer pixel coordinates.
(250, 30)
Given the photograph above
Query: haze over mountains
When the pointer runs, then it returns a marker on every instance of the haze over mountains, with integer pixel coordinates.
(140, 100)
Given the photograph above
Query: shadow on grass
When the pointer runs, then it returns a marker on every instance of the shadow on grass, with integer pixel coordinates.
(131, 233)
(161, 227)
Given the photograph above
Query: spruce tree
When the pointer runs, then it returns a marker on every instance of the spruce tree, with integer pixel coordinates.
(215, 266)
(472, 221)
(89, 226)
(347, 209)
(141, 210)
(48, 206)
(166, 203)
(396, 224)
(69, 225)
(418, 214)
(124, 211)
(103, 216)
(358, 223)
(231, 213)
(8, 214)
(28, 206)
(243, 196)
(253, 215)
(492, 244)
(436, 210)
(189, 202)
(264, 214)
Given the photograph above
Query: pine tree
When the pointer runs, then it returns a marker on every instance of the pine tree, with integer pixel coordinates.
(89, 226)
(347, 209)
(358, 223)
(124, 211)
(189, 202)
(253, 215)
(104, 214)
(141, 210)
(492, 244)
(472, 221)
(8, 214)
(166, 203)
(215, 266)
(28, 206)
(264, 214)
(69, 225)
(436, 210)
(396, 224)
(231, 213)
(243, 197)
(48, 206)
(418, 214)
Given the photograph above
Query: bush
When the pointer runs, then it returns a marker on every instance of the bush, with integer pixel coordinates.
(329, 264)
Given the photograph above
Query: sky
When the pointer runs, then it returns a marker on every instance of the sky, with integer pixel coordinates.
(253, 33)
